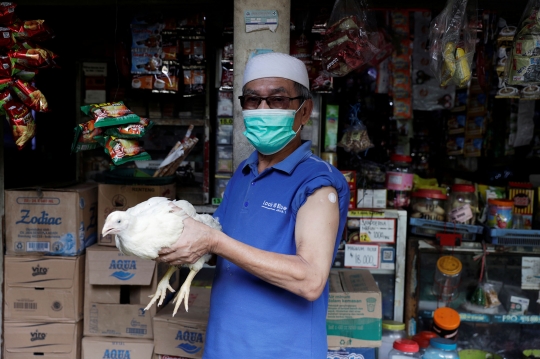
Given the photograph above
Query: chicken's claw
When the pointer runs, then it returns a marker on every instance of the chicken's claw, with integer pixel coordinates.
(183, 294)
(161, 294)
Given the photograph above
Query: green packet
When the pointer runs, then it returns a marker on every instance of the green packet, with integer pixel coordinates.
(132, 130)
(123, 150)
(84, 138)
(110, 114)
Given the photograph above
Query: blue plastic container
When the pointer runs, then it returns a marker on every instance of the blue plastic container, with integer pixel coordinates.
(441, 348)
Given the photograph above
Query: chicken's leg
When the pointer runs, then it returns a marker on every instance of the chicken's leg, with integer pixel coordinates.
(183, 293)
(162, 287)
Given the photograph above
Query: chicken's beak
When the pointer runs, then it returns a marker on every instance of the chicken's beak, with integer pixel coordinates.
(107, 229)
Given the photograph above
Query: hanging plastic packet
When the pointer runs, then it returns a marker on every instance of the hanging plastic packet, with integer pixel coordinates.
(6, 38)
(452, 38)
(7, 13)
(5, 83)
(346, 45)
(35, 30)
(5, 96)
(132, 130)
(110, 114)
(23, 73)
(23, 125)
(32, 56)
(122, 150)
(356, 138)
(84, 138)
(30, 96)
(5, 66)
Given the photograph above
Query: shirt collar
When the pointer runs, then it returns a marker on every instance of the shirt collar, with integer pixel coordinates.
(287, 165)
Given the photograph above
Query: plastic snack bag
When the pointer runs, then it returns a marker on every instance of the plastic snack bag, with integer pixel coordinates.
(23, 125)
(346, 44)
(356, 138)
(122, 150)
(84, 136)
(452, 39)
(110, 114)
(132, 130)
(30, 96)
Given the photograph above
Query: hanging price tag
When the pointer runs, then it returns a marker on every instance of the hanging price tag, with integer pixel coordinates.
(362, 255)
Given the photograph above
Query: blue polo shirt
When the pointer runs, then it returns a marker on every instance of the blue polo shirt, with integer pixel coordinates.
(250, 318)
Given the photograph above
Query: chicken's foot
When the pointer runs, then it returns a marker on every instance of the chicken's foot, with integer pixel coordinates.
(162, 287)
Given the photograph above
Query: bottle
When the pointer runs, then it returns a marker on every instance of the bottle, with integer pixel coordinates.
(391, 331)
(440, 348)
(447, 278)
(404, 349)
(399, 181)
(446, 322)
(462, 206)
(428, 204)
(423, 339)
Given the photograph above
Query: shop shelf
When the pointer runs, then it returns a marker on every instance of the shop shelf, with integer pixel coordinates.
(490, 318)
(513, 237)
(430, 228)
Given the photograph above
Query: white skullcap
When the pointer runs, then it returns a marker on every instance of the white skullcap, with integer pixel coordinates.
(276, 64)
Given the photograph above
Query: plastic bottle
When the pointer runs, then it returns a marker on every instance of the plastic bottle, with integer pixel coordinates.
(462, 205)
(404, 349)
(440, 348)
(391, 331)
(423, 339)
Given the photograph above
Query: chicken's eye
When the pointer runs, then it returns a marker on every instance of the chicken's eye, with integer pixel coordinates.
(119, 221)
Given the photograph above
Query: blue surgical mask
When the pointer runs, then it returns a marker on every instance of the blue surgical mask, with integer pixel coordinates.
(269, 130)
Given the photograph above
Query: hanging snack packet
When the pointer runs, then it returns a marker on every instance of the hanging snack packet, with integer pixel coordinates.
(32, 56)
(5, 83)
(5, 66)
(23, 126)
(123, 150)
(7, 13)
(85, 136)
(30, 96)
(35, 30)
(132, 130)
(5, 96)
(110, 114)
(6, 38)
(23, 73)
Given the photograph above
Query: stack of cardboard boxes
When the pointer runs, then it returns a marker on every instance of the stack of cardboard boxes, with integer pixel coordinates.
(47, 231)
(117, 287)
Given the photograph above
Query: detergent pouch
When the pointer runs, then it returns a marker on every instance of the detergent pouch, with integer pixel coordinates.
(452, 41)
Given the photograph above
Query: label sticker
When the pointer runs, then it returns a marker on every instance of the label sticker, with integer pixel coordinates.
(261, 20)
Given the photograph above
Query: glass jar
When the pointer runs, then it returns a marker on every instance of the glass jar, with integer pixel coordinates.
(500, 213)
(399, 181)
(447, 278)
(391, 331)
(440, 348)
(446, 323)
(428, 204)
(404, 349)
(462, 204)
(423, 339)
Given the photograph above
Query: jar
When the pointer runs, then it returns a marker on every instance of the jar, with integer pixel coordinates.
(440, 348)
(462, 204)
(391, 331)
(446, 322)
(500, 213)
(399, 181)
(447, 278)
(404, 349)
(428, 204)
(423, 339)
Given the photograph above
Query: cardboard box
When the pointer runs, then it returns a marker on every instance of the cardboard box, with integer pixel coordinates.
(116, 348)
(44, 340)
(354, 317)
(116, 292)
(44, 288)
(183, 335)
(371, 198)
(115, 197)
(59, 221)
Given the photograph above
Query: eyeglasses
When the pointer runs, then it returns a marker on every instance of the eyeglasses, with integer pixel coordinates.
(251, 102)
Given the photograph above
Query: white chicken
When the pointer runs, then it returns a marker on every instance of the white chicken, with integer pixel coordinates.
(154, 224)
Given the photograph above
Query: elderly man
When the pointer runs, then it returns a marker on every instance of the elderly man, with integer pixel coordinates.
(283, 214)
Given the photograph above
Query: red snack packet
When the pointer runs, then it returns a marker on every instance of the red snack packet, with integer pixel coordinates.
(35, 30)
(7, 13)
(32, 56)
(5, 96)
(6, 38)
(30, 96)
(5, 66)
(23, 126)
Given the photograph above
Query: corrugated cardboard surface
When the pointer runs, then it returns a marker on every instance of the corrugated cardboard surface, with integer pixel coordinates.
(114, 305)
(116, 348)
(51, 340)
(58, 221)
(184, 334)
(354, 316)
(114, 197)
(42, 288)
